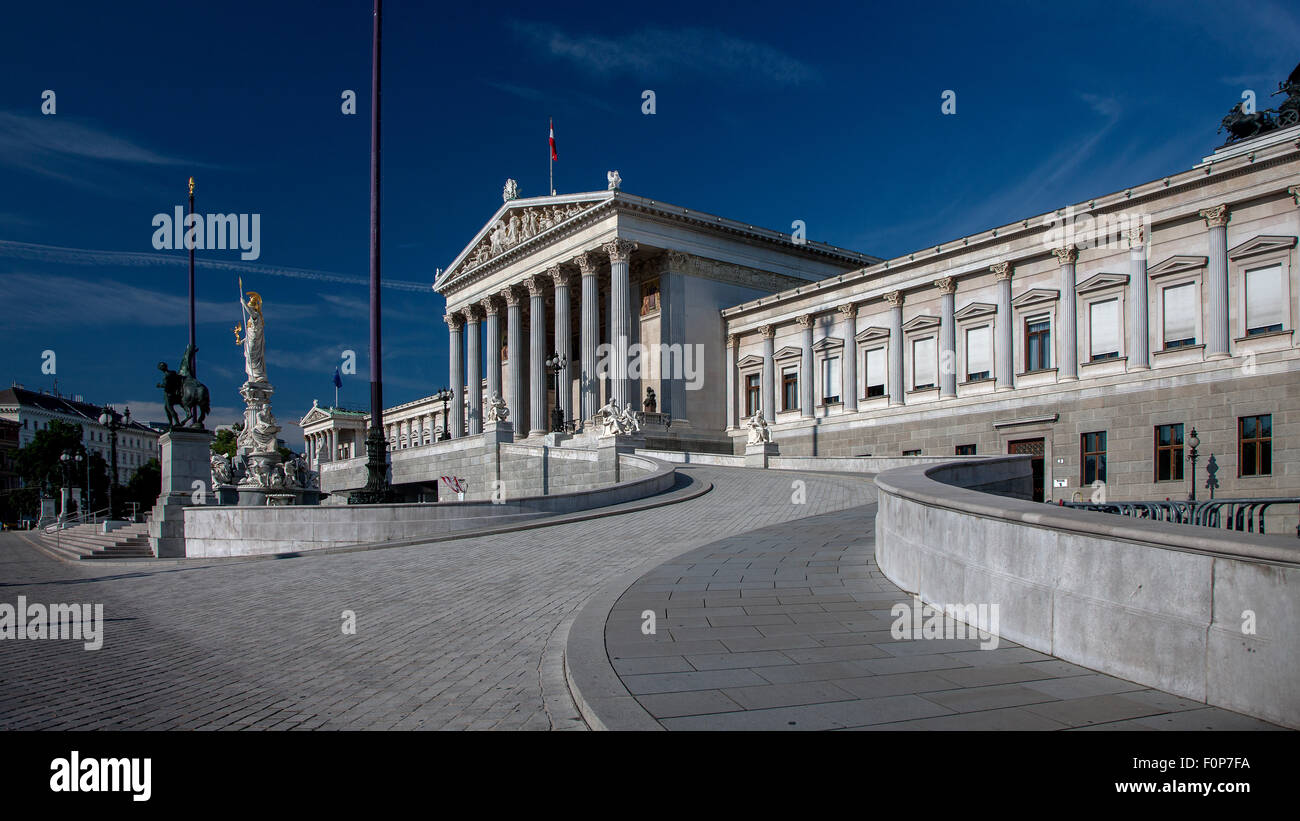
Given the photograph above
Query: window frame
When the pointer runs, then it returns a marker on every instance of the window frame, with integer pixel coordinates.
(1179, 448)
(1036, 319)
(1098, 469)
(1260, 442)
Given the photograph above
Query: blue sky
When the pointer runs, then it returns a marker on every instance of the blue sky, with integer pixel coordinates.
(766, 113)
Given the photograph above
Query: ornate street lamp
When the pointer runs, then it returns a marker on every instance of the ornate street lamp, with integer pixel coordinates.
(444, 396)
(109, 419)
(68, 460)
(554, 364)
(1195, 442)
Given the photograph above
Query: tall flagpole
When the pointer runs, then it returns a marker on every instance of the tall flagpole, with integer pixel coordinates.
(193, 363)
(550, 155)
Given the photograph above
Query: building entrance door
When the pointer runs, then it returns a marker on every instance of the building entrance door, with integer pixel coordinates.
(1034, 448)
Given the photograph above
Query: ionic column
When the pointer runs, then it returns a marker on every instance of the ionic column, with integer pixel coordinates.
(515, 366)
(769, 373)
(473, 360)
(1006, 375)
(1139, 349)
(1216, 332)
(806, 366)
(849, 365)
(620, 314)
(537, 354)
(732, 342)
(456, 373)
(564, 381)
(493, 333)
(1067, 369)
(947, 339)
(589, 332)
(897, 394)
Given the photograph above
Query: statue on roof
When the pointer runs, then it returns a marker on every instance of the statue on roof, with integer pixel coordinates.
(510, 192)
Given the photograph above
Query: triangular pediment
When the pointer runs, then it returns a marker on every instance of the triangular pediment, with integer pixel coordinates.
(1100, 281)
(921, 323)
(1261, 244)
(316, 414)
(1036, 295)
(750, 361)
(1177, 265)
(872, 334)
(518, 223)
(788, 352)
(828, 343)
(975, 310)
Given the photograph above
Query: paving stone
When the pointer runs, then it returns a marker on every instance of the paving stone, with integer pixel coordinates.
(787, 695)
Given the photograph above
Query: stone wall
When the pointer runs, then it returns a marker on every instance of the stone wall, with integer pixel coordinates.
(1158, 604)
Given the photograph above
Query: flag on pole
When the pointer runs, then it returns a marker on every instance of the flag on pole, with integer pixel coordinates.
(338, 378)
(554, 155)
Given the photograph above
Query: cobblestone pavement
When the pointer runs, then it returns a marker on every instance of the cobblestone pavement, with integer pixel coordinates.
(788, 627)
(454, 635)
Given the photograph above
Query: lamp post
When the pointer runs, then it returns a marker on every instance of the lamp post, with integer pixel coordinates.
(68, 460)
(556, 363)
(1195, 442)
(109, 419)
(444, 396)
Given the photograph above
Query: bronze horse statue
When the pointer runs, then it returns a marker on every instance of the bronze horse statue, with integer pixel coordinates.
(185, 390)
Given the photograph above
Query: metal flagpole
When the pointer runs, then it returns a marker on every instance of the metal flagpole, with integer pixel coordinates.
(193, 364)
(550, 156)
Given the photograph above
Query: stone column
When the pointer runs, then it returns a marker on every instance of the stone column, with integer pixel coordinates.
(1004, 345)
(515, 363)
(564, 384)
(474, 359)
(849, 365)
(456, 374)
(769, 376)
(620, 315)
(589, 334)
(897, 392)
(1216, 332)
(1067, 368)
(492, 332)
(806, 376)
(947, 339)
(537, 355)
(732, 342)
(1139, 349)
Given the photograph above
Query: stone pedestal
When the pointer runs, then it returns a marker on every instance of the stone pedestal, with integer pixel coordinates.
(186, 459)
(49, 513)
(756, 456)
(607, 450)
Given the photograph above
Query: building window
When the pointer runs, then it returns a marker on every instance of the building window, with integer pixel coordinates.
(1179, 305)
(831, 380)
(965, 450)
(649, 298)
(1169, 453)
(790, 388)
(924, 363)
(876, 370)
(1255, 436)
(1265, 307)
(752, 391)
(911, 453)
(1093, 447)
(1038, 344)
(979, 353)
(1103, 330)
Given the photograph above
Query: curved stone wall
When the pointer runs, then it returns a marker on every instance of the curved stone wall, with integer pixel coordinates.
(1162, 605)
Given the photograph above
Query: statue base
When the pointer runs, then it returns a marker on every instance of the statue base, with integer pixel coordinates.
(378, 489)
(756, 455)
(186, 460)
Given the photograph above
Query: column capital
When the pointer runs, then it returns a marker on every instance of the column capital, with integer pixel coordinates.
(454, 321)
(1002, 270)
(806, 320)
(1067, 255)
(733, 340)
(849, 310)
(1216, 216)
(619, 249)
(1137, 237)
(559, 276)
(473, 313)
(895, 298)
(946, 285)
(535, 285)
(511, 295)
(490, 305)
(588, 263)
(768, 331)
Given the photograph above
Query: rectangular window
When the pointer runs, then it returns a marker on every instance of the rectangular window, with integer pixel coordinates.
(924, 363)
(965, 450)
(1038, 344)
(1265, 307)
(790, 388)
(1103, 329)
(752, 389)
(1255, 437)
(1179, 315)
(876, 370)
(1093, 447)
(1169, 453)
(979, 352)
(649, 297)
(911, 453)
(831, 380)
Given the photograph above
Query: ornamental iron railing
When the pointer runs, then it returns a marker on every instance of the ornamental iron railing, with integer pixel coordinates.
(1245, 515)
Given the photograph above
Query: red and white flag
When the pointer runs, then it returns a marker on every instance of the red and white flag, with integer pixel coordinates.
(554, 156)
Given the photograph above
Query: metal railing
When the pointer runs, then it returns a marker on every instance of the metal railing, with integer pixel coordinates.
(1244, 515)
(93, 517)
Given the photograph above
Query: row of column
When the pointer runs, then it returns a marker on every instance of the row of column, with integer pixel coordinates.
(535, 419)
(1139, 350)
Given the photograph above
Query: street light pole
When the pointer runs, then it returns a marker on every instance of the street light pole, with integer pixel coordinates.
(555, 363)
(1195, 442)
(110, 420)
(445, 396)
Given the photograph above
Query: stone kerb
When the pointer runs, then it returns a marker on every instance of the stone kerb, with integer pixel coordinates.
(1155, 603)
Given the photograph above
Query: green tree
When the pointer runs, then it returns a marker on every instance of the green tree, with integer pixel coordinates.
(145, 485)
(225, 443)
(39, 466)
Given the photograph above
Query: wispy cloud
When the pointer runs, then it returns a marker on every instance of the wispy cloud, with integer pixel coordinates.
(661, 51)
(567, 97)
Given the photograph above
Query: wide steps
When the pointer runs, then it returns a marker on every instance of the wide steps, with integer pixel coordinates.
(88, 542)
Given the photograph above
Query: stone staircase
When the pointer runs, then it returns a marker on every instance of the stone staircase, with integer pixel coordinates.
(88, 542)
